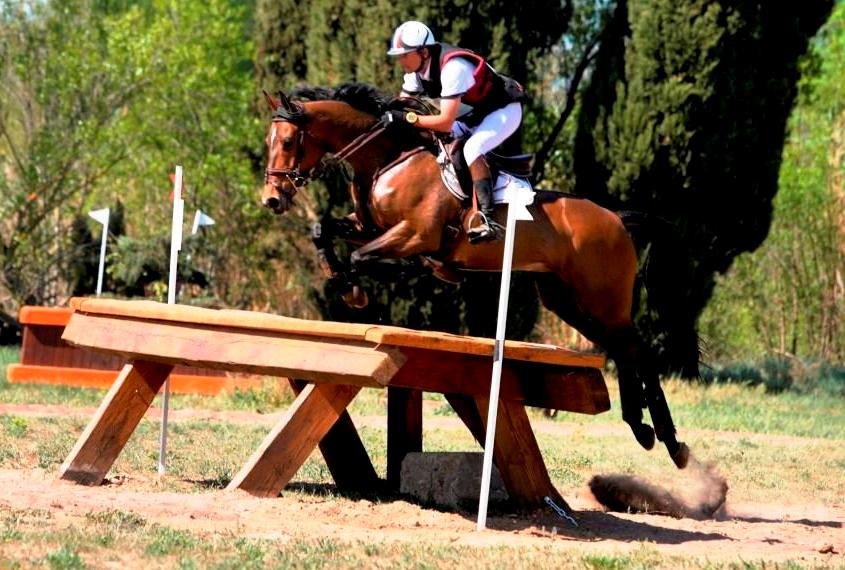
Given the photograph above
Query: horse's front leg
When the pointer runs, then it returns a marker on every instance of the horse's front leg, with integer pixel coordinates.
(323, 235)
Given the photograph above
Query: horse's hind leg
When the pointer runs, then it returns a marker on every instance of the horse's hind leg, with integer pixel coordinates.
(664, 427)
(620, 344)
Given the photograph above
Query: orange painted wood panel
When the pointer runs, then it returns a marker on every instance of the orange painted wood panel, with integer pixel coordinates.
(117, 417)
(326, 360)
(48, 316)
(103, 379)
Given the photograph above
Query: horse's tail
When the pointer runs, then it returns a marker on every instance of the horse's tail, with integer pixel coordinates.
(662, 309)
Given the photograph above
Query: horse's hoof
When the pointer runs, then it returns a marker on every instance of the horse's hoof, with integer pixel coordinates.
(356, 297)
(681, 455)
(645, 436)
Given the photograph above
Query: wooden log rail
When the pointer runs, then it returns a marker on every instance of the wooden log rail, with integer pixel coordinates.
(47, 359)
(329, 363)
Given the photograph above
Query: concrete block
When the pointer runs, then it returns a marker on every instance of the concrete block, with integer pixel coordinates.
(448, 479)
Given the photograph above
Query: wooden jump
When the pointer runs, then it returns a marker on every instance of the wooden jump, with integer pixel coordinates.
(47, 359)
(328, 364)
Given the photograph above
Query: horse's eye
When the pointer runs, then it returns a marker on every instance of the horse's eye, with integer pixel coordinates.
(287, 143)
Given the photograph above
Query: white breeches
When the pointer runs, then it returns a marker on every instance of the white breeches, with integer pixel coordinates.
(491, 132)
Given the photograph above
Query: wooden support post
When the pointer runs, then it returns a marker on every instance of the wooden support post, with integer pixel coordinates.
(404, 429)
(344, 452)
(127, 401)
(289, 444)
(518, 457)
(467, 410)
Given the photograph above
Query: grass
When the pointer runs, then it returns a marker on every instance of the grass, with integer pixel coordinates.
(784, 445)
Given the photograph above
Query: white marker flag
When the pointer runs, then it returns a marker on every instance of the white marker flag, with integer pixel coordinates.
(101, 216)
(201, 219)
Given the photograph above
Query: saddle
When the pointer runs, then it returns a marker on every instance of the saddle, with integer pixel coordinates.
(518, 165)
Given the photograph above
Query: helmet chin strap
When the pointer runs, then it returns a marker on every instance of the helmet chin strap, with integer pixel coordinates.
(423, 60)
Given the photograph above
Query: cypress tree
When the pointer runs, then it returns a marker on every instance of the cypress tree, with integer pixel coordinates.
(685, 119)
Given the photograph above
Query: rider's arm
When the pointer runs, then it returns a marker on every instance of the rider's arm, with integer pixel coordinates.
(443, 121)
(456, 78)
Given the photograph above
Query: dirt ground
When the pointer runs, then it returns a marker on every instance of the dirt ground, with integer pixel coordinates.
(805, 533)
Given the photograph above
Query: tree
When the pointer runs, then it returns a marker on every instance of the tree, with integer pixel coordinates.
(58, 98)
(788, 298)
(100, 101)
(685, 118)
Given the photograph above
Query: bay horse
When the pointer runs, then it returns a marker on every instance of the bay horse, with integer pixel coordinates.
(584, 258)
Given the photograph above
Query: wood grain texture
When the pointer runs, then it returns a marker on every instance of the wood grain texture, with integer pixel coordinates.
(289, 444)
(227, 318)
(274, 354)
(518, 457)
(344, 452)
(516, 350)
(404, 429)
(579, 390)
(117, 417)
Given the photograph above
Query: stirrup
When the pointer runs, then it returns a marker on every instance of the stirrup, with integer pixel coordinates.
(483, 228)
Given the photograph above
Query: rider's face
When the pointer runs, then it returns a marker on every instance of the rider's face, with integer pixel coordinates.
(411, 61)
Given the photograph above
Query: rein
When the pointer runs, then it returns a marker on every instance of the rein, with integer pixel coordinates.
(301, 179)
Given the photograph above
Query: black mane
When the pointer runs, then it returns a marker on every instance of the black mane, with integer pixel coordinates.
(361, 96)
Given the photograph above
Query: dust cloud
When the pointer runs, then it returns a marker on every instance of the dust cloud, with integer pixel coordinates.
(704, 497)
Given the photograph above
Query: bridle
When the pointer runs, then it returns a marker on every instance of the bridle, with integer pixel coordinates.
(295, 176)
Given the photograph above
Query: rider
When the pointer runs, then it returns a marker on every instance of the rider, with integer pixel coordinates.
(455, 76)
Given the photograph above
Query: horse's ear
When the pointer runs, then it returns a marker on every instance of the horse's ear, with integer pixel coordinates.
(284, 101)
(274, 104)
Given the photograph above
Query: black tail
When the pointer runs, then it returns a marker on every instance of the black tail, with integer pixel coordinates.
(661, 309)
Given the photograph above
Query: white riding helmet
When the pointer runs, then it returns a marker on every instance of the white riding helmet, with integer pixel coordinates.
(410, 36)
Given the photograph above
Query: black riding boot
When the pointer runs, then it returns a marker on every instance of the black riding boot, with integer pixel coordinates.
(483, 223)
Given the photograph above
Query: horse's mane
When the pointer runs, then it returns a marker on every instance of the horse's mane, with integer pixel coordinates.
(361, 96)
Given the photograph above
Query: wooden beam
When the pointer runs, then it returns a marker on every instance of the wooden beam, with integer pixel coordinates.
(404, 429)
(534, 384)
(518, 457)
(467, 410)
(273, 354)
(345, 454)
(514, 349)
(289, 444)
(117, 417)
(225, 318)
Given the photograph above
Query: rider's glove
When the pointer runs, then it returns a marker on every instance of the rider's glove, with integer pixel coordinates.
(394, 119)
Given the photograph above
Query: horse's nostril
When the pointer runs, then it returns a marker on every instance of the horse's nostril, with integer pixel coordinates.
(273, 203)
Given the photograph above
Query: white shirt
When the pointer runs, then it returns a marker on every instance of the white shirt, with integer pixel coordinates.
(455, 78)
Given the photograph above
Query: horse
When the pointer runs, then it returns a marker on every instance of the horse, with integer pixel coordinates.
(584, 259)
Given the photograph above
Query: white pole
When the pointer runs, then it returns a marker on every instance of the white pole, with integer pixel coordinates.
(101, 216)
(516, 211)
(175, 246)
